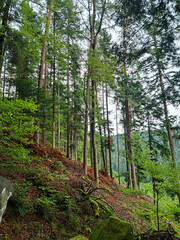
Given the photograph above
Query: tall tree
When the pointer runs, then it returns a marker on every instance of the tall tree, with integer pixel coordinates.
(95, 28)
(3, 30)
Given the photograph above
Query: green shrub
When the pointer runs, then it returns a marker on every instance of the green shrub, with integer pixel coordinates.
(44, 207)
(19, 202)
(16, 116)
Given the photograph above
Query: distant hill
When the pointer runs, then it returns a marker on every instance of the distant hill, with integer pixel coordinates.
(123, 167)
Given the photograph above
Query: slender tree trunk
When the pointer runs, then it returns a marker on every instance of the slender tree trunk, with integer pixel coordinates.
(128, 118)
(105, 136)
(157, 209)
(3, 30)
(87, 97)
(109, 136)
(150, 147)
(45, 43)
(77, 152)
(94, 148)
(68, 98)
(128, 164)
(86, 123)
(53, 117)
(101, 140)
(41, 69)
(54, 94)
(138, 178)
(164, 103)
(46, 94)
(167, 118)
(4, 80)
(72, 144)
(165, 110)
(59, 120)
(91, 149)
(75, 138)
(92, 52)
(117, 132)
(93, 110)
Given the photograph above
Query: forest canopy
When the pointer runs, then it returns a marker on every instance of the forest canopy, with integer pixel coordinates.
(65, 64)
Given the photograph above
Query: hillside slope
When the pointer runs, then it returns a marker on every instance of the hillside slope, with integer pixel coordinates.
(53, 200)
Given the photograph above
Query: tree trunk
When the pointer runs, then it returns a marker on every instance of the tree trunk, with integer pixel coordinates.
(68, 99)
(117, 132)
(109, 136)
(3, 30)
(167, 118)
(129, 181)
(59, 120)
(157, 209)
(165, 110)
(128, 118)
(105, 136)
(42, 60)
(150, 147)
(44, 47)
(54, 94)
(75, 138)
(101, 140)
(46, 94)
(94, 148)
(86, 123)
(4, 80)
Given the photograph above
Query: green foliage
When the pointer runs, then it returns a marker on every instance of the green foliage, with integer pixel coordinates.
(19, 202)
(78, 238)
(44, 206)
(16, 117)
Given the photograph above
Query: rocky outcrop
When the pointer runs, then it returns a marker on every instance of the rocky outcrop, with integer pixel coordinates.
(6, 191)
(113, 228)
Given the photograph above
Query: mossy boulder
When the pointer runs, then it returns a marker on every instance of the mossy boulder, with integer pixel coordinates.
(113, 228)
(80, 237)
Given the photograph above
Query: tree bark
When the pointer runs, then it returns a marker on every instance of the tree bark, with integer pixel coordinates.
(109, 135)
(45, 43)
(105, 136)
(54, 94)
(75, 138)
(101, 140)
(59, 120)
(4, 80)
(165, 109)
(117, 132)
(3, 30)
(46, 94)
(128, 117)
(126, 151)
(94, 148)
(68, 98)
(42, 60)
(151, 148)
(92, 76)
(86, 123)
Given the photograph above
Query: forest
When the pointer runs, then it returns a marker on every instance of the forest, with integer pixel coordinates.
(97, 82)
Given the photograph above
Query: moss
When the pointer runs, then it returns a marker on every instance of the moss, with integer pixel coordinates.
(113, 228)
(80, 237)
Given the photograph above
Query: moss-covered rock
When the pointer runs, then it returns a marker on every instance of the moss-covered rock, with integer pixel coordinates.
(113, 228)
(80, 237)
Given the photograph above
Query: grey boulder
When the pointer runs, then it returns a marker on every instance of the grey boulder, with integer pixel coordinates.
(6, 191)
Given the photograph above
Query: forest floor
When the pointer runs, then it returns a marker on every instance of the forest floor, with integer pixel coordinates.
(53, 200)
